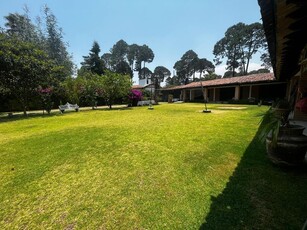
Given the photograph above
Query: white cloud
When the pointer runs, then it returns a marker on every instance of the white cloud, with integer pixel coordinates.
(254, 66)
(220, 69)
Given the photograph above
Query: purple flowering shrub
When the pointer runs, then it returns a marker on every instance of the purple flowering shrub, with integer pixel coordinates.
(135, 96)
(46, 95)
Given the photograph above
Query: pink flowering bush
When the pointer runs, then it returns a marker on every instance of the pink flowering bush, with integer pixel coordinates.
(46, 95)
(135, 96)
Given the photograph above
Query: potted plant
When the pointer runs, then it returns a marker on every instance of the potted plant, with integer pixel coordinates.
(285, 143)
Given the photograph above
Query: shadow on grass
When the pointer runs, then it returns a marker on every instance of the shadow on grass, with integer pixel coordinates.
(20, 116)
(39, 114)
(114, 109)
(260, 195)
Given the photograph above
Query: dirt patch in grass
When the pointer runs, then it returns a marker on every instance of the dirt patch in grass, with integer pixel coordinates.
(232, 107)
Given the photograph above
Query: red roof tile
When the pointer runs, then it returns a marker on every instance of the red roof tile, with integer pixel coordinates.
(253, 78)
(137, 87)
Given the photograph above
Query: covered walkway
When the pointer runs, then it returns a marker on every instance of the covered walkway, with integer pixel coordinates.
(251, 87)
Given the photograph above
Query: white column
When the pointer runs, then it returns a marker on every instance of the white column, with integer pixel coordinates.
(192, 95)
(250, 91)
(214, 94)
(237, 93)
(184, 95)
(205, 94)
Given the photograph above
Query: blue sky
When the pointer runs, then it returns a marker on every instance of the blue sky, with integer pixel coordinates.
(168, 27)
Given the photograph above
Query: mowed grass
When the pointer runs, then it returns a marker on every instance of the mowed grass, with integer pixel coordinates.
(173, 167)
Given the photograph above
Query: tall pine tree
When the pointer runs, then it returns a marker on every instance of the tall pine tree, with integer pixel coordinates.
(56, 48)
(93, 62)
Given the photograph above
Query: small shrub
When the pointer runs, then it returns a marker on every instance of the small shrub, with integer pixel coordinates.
(135, 96)
(46, 95)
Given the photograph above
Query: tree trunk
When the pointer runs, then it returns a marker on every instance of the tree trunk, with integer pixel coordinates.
(243, 63)
(233, 67)
(247, 64)
(250, 52)
(24, 105)
(24, 102)
(25, 111)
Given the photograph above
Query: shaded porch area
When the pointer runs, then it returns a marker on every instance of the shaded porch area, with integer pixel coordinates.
(253, 93)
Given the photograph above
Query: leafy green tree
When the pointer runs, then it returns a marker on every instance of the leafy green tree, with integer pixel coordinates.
(230, 73)
(259, 71)
(189, 64)
(85, 89)
(125, 59)
(114, 86)
(91, 88)
(168, 81)
(181, 71)
(253, 40)
(56, 47)
(71, 89)
(51, 41)
(46, 98)
(119, 58)
(107, 60)
(239, 44)
(23, 68)
(203, 65)
(212, 76)
(172, 81)
(132, 54)
(230, 47)
(160, 73)
(93, 62)
(123, 67)
(119, 52)
(265, 57)
(144, 55)
(21, 26)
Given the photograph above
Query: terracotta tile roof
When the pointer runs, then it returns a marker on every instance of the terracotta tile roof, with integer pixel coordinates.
(253, 78)
(137, 87)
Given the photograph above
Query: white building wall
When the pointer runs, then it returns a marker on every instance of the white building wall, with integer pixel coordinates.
(144, 82)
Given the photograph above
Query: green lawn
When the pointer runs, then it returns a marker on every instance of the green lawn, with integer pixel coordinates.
(168, 168)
